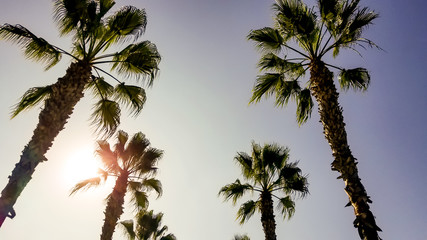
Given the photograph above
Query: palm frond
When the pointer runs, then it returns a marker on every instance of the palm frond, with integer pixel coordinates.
(267, 39)
(131, 96)
(271, 61)
(100, 88)
(105, 6)
(285, 91)
(274, 157)
(286, 207)
(245, 162)
(353, 20)
(108, 158)
(294, 18)
(119, 147)
(104, 174)
(304, 106)
(235, 190)
(266, 85)
(292, 180)
(140, 199)
(146, 163)
(35, 48)
(153, 184)
(127, 226)
(70, 14)
(106, 117)
(86, 184)
(329, 12)
(357, 79)
(139, 60)
(31, 98)
(128, 21)
(246, 211)
(136, 146)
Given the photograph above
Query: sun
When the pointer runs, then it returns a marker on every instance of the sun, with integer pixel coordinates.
(80, 165)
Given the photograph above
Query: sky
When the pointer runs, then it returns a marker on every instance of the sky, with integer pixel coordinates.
(197, 112)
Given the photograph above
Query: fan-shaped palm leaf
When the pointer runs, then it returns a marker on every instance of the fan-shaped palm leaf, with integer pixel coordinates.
(128, 227)
(100, 88)
(245, 163)
(32, 98)
(246, 211)
(357, 79)
(35, 48)
(131, 96)
(138, 60)
(106, 116)
(267, 39)
(286, 206)
(304, 106)
(127, 21)
(235, 190)
(86, 184)
(153, 184)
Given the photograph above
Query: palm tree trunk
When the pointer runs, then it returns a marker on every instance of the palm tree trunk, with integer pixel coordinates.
(66, 92)
(114, 208)
(267, 216)
(323, 89)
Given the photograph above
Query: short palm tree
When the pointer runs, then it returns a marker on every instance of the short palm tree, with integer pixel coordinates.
(132, 163)
(267, 172)
(93, 32)
(148, 226)
(298, 43)
(241, 237)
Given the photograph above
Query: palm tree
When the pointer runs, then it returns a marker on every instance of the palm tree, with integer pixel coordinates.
(241, 237)
(148, 227)
(132, 163)
(267, 171)
(93, 32)
(338, 24)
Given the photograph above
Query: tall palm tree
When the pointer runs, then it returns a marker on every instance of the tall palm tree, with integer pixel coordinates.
(267, 172)
(93, 32)
(132, 163)
(148, 226)
(336, 25)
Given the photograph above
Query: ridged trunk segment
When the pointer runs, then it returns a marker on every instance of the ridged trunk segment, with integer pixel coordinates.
(66, 92)
(267, 216)
(325, 92)
(114, 208)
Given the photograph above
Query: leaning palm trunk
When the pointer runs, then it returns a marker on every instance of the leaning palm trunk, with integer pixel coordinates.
(66, 92)
(267, 216)
(323, 89)
(114, 208)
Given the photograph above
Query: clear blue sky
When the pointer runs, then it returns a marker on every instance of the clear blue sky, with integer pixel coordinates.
(198, 113)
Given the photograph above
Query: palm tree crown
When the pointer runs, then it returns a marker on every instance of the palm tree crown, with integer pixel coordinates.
(267, 172)
(337, 25)
(133, 166)
(305, 37)
(148, 226)
(93, 31)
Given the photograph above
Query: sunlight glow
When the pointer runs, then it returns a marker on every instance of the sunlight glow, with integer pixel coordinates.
(80, 165)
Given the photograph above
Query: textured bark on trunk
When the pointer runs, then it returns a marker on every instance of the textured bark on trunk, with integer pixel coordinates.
(325, 92)
(66, 92)
(114, 208)
(267, 216)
